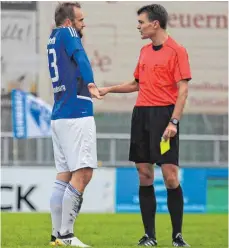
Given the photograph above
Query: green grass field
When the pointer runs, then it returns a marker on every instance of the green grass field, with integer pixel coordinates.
(113, 230)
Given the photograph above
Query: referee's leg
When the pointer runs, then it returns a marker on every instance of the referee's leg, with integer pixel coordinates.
(175, 196)
(147, 198)
(139, 153)
(175, 201)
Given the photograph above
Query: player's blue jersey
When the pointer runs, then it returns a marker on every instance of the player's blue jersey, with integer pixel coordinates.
(70, 72)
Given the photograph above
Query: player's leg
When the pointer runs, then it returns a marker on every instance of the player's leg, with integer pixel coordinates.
(62, 179)
(175, 202)
(80, 150)
(56, 199)
(139, 153)
(73, 199)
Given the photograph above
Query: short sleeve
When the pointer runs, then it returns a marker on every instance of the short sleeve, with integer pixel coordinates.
(71, 41)
(182, 69)
(136, 72)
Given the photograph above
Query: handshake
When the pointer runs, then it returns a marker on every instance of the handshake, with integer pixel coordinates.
(97, 93)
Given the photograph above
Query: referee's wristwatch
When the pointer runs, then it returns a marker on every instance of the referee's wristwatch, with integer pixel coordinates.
(174, 121)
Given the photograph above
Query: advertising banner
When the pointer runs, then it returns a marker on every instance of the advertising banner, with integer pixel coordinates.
(195, 184)
(28, 189)
(217, 191)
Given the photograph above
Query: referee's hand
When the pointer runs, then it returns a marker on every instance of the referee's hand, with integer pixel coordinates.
(103, 91)
(170, 131)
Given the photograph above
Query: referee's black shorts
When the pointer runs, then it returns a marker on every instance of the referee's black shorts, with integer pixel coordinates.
(147, 127)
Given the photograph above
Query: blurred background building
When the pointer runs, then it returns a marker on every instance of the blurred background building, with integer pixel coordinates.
(113, 44)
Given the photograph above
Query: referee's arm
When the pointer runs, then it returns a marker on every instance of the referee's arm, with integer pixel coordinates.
(181, 99)
(127, 87)
(182, 75)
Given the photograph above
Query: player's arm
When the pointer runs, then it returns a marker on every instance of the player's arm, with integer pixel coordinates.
(75, 50)
(86, 72)
(126, 87)
(83, 63)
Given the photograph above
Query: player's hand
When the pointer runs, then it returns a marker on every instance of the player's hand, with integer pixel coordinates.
(170, 131)
(94, 91)
(103, 91)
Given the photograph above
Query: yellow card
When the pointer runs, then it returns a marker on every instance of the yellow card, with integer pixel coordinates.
(165, 146)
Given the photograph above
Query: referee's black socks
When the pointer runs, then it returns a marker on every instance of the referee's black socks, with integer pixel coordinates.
(175, 204)
(147, 202)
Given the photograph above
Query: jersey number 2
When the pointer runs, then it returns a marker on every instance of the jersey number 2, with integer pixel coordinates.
(54, 65)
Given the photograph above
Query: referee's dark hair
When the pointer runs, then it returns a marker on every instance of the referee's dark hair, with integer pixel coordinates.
(65, 10)
(155, 12)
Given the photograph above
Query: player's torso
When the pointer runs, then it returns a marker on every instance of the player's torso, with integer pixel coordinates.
(66, 80)
(63, 70)
(157, 86)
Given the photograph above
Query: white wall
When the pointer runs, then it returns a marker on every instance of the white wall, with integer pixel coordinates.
(113, 44)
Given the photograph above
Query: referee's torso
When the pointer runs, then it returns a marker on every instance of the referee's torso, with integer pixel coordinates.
(158, 71)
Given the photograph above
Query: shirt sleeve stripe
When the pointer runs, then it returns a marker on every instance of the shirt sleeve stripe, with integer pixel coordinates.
(70, 31)
(76, 33)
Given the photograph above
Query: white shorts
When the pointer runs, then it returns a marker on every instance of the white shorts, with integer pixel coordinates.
(74, 143)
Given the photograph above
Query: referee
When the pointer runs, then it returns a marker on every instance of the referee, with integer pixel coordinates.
(161, 79)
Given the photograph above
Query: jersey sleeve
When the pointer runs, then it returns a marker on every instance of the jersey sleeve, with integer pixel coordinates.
(136, 72)
(82, 61)
(75, 49)
(182, 69)
(71, 41)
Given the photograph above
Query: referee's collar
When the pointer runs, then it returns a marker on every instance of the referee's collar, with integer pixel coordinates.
(157, 48)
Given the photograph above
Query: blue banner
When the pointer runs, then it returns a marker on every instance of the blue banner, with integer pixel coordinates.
(193, 182)
(30, 115)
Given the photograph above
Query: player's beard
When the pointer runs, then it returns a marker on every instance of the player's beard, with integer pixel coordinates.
(80, 33)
